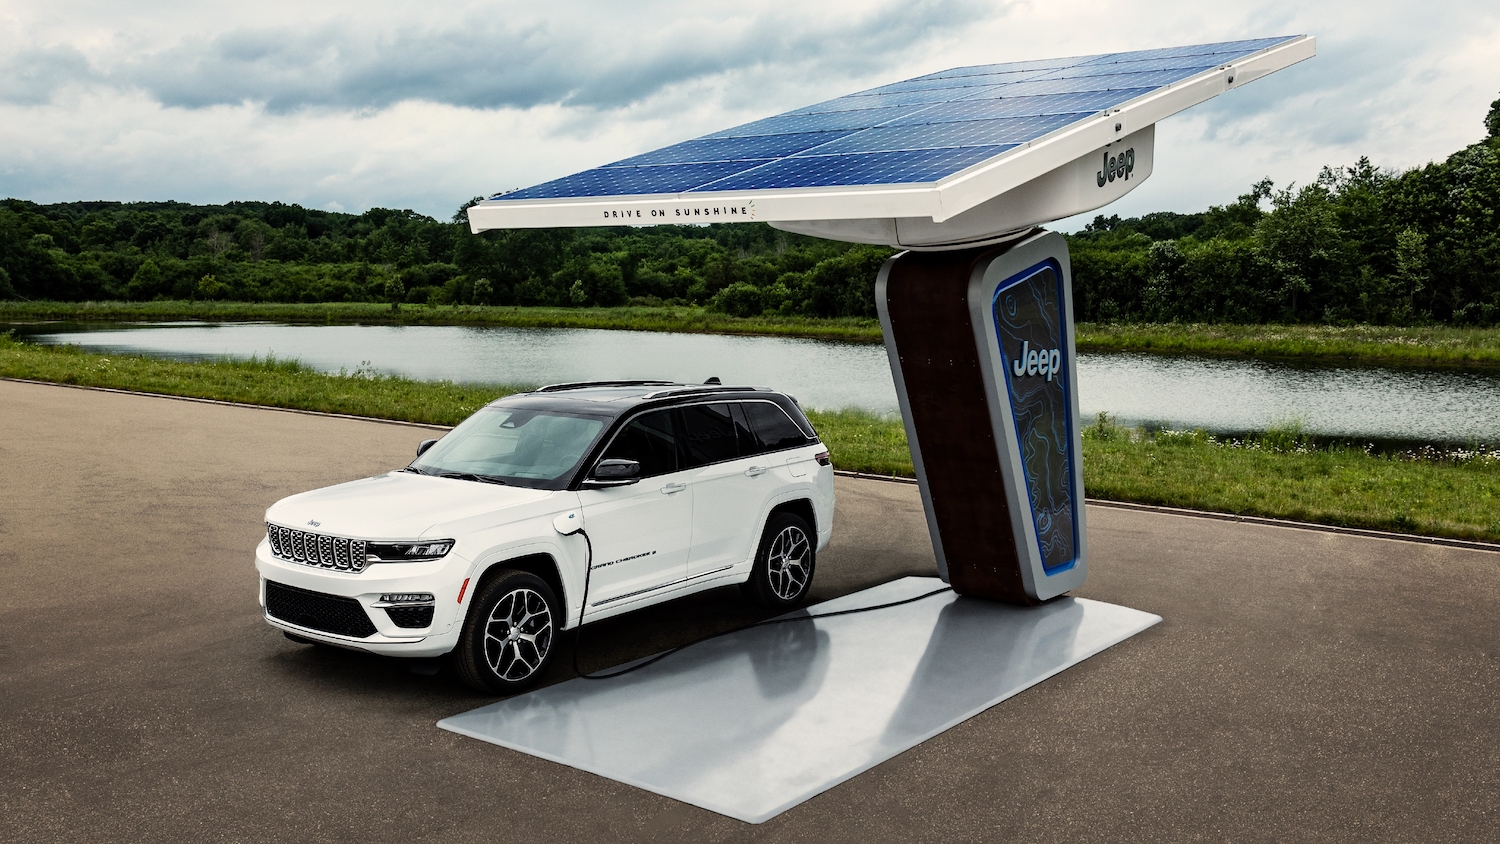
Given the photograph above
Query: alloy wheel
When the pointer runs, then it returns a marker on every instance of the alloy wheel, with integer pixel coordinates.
(786, 564)
(518, 634)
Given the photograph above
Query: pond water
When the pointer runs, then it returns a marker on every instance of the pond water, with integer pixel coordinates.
(1180, 392)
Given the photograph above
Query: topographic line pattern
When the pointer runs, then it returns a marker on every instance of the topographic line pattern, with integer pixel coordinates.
(1029, 322)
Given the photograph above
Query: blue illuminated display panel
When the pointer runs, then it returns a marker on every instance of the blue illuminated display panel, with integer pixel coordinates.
(1029, 322)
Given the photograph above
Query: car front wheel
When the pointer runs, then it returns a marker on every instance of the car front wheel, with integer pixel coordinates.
(784, 563)
(509, 635)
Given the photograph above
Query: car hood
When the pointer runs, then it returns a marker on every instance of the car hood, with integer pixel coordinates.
(395, 506)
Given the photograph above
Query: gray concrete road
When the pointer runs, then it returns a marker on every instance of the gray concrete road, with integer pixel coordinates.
(1305, 686)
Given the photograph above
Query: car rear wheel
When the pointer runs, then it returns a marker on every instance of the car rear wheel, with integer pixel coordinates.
(509, 635)
(784, 563)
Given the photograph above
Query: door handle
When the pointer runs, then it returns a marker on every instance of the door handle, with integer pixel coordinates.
(755, 470)
(671, 488)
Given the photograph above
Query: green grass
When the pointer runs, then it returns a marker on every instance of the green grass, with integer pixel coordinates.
(1365, 344)
(263, 381)
(1283, 474)
(1280, 474)
(861, 441)
(681, 319)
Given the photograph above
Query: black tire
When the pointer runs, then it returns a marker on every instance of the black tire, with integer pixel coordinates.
(784, 563)
(510, 634)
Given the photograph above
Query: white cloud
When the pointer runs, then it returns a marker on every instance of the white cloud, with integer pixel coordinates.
(358, 104)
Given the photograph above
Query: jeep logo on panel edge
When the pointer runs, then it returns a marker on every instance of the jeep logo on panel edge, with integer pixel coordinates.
(1119, 166)
(1036, 361)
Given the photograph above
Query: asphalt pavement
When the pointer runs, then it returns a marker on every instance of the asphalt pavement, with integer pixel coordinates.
(1304, 686)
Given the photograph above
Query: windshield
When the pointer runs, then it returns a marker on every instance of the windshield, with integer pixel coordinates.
(518, 446)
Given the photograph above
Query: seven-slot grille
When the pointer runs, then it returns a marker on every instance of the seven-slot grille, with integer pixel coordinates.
(312, 549)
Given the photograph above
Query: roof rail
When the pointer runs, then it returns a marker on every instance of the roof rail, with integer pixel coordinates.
(580, 385)
(702, 388)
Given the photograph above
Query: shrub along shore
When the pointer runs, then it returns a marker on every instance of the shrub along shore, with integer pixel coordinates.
(1280, 474)
(1356, 344)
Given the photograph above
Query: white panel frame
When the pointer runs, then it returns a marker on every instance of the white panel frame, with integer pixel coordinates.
(1058, 193)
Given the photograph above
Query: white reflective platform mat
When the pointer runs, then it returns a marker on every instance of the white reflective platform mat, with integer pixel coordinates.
(755, 722)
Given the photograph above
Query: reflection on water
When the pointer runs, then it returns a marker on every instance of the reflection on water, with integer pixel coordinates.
(820, 374)
(1180, 392)
(1237, 395)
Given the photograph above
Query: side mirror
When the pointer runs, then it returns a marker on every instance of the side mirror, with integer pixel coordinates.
(426, 444)
(614, 472)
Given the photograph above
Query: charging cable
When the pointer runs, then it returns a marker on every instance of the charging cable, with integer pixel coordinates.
(565, 526)
(588, 571)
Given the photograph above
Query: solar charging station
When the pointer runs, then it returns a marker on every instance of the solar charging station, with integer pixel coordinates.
(958, 169)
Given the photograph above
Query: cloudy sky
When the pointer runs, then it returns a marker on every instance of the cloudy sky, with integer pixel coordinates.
(349, 105)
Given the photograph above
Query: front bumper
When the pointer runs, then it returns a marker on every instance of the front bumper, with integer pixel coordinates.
(443, 578)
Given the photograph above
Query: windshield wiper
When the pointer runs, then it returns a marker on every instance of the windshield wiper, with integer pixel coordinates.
(413, 470)
(470, 476)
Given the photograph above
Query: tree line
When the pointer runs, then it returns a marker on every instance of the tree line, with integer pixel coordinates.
(1358, 244)
(274, 252)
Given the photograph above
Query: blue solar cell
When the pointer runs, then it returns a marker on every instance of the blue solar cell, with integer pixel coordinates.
(626, 181)
(1013, 130)
(926, 84)
(876, 168)
(988, 73)
(1129, 68)
(917, 130)
(1084, 84)
(855, 102)
(1008, 67)
(966, 75)
(733, 149)
(785, 124)
(1242, 48)
(1148, 66)
(1090, 101)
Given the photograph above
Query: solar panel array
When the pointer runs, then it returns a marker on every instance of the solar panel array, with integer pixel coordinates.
(915, 131)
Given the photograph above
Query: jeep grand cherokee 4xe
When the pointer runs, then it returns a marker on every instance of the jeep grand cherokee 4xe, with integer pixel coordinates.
(550, 509)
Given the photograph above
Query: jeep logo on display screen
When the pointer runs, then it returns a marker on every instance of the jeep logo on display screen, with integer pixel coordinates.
(1029, 322)
(1036, 361)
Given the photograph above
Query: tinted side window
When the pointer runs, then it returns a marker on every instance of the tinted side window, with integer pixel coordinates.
(651, 440)
(709, 431)
(773, 427)
(749, 443)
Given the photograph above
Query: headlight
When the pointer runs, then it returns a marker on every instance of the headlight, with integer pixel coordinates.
(408, 552)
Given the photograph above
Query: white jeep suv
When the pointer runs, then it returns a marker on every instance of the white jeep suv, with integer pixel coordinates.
(550, 509)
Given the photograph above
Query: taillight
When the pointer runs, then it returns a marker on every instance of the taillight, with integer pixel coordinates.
(823, 459)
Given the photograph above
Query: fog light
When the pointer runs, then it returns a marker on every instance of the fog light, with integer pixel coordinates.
(406, 598)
